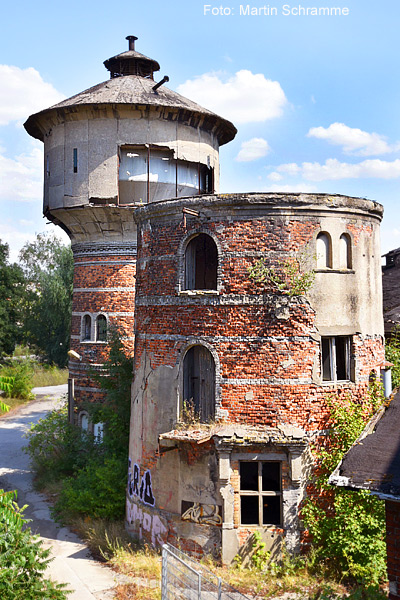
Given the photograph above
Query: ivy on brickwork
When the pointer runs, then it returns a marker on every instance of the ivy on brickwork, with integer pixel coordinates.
(290, 276)
(347, 527)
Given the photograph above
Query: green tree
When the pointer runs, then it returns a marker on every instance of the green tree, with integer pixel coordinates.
(12, 290)
(23, 560)
(347, 527)
(48, 268)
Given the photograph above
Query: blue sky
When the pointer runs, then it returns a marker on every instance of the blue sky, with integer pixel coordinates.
(316, 99)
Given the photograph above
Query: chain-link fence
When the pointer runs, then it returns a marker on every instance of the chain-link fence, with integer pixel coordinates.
(185, 579)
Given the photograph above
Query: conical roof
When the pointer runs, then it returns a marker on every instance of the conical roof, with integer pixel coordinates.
(134, 89)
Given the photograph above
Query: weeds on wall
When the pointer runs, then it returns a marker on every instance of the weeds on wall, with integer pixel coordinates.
(347, 527)
(22, 557)
(290, 276)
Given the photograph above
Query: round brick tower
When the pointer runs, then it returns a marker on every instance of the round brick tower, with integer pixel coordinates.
(123, 143)
(231, 377)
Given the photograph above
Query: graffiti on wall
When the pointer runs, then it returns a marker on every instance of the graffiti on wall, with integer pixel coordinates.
(140, 487)
(143, 521)
(203, 514)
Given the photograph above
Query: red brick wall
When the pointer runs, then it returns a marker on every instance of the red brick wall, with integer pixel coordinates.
(103, 284)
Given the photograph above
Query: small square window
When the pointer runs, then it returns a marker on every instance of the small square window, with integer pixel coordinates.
(260, 493)
(335, 353)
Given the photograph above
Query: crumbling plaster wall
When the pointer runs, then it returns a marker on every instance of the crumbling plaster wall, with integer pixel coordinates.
(97, 134)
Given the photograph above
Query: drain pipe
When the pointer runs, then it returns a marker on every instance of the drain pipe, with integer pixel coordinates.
(386, 378)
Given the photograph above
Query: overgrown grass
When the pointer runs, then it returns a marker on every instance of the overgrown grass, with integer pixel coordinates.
(109, 541)
(27, 373)
(46, 375)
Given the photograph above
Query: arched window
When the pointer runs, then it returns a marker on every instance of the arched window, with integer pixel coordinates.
(201, 263)
(87, 328)
(84, 421)
(345, 251)
(324, 251)
(101, 329)
(199, 381)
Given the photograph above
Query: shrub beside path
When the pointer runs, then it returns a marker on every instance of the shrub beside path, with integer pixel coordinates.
(72, 564)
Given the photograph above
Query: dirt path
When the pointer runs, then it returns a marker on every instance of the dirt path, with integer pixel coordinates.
(72, 564)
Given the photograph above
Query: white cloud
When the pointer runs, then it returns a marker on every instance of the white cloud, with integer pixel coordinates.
(275, 176)
(289, 168)
(16, 237)
(23, 92)
(21, 177)
(253, 149)
(293, 189)
(244, 98)
(333, 169)
(353, 141)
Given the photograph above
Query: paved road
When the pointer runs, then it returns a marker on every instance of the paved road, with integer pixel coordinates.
(72, 564)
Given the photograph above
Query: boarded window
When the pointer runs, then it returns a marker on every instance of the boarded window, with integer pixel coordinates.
(345, 251)
(87, 328)
(324, 251)
(201, 263)
(101, 329)
(335, 358)
(260, 493)
(199, 381)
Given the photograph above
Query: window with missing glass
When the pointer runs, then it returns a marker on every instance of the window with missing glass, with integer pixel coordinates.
(148, 174)
(260, 493)
(335, 354)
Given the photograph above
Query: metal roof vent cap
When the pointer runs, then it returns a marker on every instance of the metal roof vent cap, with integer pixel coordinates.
(131, 63)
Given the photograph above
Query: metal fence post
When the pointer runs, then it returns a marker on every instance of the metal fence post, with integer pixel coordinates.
(164, 574)
(199, 586)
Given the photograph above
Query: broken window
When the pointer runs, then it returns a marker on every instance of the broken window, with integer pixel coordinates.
(335, 358)
(87, 328)
(151, 174)
(201, 263)
(324, 251)
(345, 251)
(101, 329)
(199, 382)
(260, 493)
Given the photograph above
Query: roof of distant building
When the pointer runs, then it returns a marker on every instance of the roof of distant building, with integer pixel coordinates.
(373, 462)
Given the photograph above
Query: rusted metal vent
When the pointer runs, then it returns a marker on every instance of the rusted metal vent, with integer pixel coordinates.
(131, 63)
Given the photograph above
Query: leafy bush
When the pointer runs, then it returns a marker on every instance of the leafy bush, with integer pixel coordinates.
(21, 372)
(347, 527)
(96, 490)
(92, 476)
(56, 447)
(392, 354)
(22, 558)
